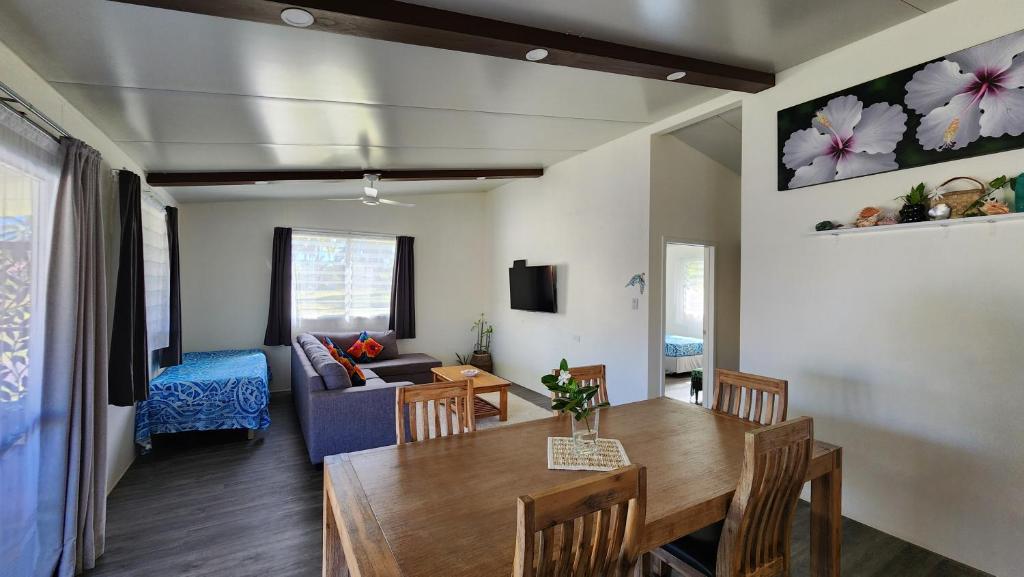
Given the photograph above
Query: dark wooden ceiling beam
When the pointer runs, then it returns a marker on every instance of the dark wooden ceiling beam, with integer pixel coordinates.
(253, 176)
(425, 26)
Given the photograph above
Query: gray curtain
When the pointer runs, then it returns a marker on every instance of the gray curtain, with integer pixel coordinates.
(279, 314)
(171, 355)
(128, 370)
(403, 290)
(74, 374)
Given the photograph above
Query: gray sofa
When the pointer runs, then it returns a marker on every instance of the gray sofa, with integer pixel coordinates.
(336, 417)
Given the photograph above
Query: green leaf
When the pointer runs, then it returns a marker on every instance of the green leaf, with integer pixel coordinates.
(564, 365)
(549, 379)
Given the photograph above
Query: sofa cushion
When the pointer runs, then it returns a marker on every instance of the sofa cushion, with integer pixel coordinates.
(365, 349)
(355, 374)
(406, 364)
(388, 339)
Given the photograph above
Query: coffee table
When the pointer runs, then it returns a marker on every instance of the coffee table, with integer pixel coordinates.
(483, 382)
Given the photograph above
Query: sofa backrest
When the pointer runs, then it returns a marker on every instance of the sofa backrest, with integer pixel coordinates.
(387, 338)
(332, 375)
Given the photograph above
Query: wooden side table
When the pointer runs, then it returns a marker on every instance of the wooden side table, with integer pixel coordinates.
(483, 382)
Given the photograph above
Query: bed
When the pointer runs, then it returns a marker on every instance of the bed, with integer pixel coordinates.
(683, 354)
(209, 390)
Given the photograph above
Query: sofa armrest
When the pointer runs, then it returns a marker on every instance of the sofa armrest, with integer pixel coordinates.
(352, 419)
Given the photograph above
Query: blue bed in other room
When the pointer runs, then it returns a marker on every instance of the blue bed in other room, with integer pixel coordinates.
(683, 354)
(209, 390)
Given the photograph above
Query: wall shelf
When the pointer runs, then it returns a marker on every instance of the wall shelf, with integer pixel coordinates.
(921, 225)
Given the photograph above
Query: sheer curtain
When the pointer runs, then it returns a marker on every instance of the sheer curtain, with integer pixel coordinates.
(341, 281)
(31, 505)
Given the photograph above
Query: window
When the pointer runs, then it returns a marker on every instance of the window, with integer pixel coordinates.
(693, 289)
(156, 254)
(29, 170)
(341, 281)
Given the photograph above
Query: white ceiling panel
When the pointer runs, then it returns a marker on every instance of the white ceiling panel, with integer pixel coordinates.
(400, 190)
(170, 157)
(165, 116)
(185, 92)
(101, 42)
(771, 35)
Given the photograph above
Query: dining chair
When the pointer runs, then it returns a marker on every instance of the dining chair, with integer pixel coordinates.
(590, 375)
(591, 527)
(754, 539)
(750, 397)
(438, 410)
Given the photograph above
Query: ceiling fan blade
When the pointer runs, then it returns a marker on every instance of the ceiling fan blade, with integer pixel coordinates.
(394, 203)
(343, 199)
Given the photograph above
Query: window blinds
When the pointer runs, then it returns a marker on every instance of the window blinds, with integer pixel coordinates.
(341, 281)
(157, 267)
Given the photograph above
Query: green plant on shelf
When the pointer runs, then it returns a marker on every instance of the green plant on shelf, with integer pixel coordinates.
(917, 195)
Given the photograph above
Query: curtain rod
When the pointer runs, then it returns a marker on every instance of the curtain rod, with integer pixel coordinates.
(329, 231)
(14, 97)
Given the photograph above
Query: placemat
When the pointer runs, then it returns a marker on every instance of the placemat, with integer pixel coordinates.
(563, 456)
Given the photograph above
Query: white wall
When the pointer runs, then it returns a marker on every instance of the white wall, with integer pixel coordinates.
(588, 216)
(677, 321)
(225, 268)
(903, 346)
(695, 199)
(16, 73)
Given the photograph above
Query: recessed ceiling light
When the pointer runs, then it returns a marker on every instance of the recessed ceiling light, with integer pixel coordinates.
(536, 54)
(297, 17)
(481, 178)
(676, 76)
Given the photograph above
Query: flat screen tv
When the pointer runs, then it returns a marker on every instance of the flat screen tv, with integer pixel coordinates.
(532, 288)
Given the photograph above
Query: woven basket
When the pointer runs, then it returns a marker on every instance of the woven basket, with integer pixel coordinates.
(960, 200)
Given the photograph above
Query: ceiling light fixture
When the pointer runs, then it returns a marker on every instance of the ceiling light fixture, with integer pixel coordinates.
(536, 55)
(676, 76)
(481, 178)
(297, 17)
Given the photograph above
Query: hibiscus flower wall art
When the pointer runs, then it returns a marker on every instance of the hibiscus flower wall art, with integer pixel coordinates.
(967, 103)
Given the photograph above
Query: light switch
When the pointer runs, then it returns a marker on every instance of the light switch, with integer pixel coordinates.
(636, 303)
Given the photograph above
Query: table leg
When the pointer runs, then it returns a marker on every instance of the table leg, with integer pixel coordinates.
(826, 521)
(334, 553)
(503, 404)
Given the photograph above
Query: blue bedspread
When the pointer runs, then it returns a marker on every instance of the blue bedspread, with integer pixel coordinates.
(209, 390)
(677, 346)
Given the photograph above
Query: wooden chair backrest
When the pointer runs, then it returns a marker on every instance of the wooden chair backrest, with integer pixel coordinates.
(590, 375)
(438, 410)
(592, 527)
(750, 397)
(756, 537)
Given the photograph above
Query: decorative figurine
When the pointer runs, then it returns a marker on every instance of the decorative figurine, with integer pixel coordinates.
(939, 212)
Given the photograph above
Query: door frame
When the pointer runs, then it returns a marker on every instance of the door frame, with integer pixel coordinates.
(710, 312)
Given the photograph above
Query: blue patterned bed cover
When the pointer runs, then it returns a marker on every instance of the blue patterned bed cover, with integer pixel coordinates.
(209, 390)
(677, 346)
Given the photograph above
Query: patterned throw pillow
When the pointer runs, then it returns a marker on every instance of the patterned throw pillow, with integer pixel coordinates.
(365, 349)
(355, 374)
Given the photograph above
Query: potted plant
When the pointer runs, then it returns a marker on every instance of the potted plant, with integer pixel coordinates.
(572, 398)
(915, 204)
(481, 358)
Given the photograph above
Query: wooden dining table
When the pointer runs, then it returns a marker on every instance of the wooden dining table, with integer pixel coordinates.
(447, 507)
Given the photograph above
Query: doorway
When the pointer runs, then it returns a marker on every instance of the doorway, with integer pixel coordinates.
(687, 320)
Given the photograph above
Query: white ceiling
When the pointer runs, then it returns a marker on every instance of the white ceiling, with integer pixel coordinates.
(719, 137)
(188, 92)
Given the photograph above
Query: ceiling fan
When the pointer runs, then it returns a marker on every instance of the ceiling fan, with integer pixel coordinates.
(371, 196)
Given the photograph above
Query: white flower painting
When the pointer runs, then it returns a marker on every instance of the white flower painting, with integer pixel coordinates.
(970, 94)
(846, 140)
(964, 104)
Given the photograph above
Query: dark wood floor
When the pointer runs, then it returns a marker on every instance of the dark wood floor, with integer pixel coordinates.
(215, 504)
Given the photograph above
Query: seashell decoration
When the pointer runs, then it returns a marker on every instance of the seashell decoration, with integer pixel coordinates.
(868, 217)
(994, 207)
(939, 212)
(887, 219)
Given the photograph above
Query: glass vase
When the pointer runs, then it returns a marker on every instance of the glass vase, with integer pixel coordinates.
(584, 433)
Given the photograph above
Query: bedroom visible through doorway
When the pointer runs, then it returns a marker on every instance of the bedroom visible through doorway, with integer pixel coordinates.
(688, 310)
